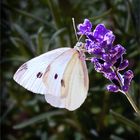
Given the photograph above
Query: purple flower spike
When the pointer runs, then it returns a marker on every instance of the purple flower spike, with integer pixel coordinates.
(112, 88)
(106, 57)
(85, 27)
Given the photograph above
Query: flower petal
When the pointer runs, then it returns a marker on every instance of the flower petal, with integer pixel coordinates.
(112, 88)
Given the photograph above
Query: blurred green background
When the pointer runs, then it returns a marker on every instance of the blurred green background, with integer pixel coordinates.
(30, 28)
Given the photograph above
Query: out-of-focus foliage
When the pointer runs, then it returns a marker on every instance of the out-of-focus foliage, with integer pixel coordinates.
(32, 27)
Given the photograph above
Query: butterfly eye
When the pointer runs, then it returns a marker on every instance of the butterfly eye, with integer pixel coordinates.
(56, 76)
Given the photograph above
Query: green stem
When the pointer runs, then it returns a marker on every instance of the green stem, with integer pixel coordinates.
(80, 38)
(133, 104)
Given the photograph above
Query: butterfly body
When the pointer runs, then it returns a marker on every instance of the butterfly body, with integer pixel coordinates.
(60, 75)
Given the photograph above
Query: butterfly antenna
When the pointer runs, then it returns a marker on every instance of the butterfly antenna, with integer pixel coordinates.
(73, 21)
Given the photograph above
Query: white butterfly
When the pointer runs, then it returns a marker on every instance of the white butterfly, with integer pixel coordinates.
(61, 75)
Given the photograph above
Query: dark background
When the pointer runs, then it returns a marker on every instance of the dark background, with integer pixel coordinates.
(31, 27)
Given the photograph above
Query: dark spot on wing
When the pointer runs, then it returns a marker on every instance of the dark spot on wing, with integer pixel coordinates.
(56, 76)
(62, 83)
(39, 75)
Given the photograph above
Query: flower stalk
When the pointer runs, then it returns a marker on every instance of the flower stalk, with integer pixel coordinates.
(132, 104)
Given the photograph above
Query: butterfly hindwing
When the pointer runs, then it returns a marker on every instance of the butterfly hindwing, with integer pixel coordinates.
(53, 77)
(72, 87)
(76, 85)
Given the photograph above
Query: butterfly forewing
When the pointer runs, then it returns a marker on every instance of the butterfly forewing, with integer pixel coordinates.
(30, 74)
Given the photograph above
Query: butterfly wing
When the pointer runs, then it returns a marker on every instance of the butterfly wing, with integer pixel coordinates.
(30, 74)
(59, 74)
(53, 78)
(76, 83)
(70, 88)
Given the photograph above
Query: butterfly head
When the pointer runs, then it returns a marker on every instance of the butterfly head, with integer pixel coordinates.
(81, 50)
(79, 46)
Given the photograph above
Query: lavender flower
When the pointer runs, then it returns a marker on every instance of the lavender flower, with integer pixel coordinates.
(85, 27)
(107, 57)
